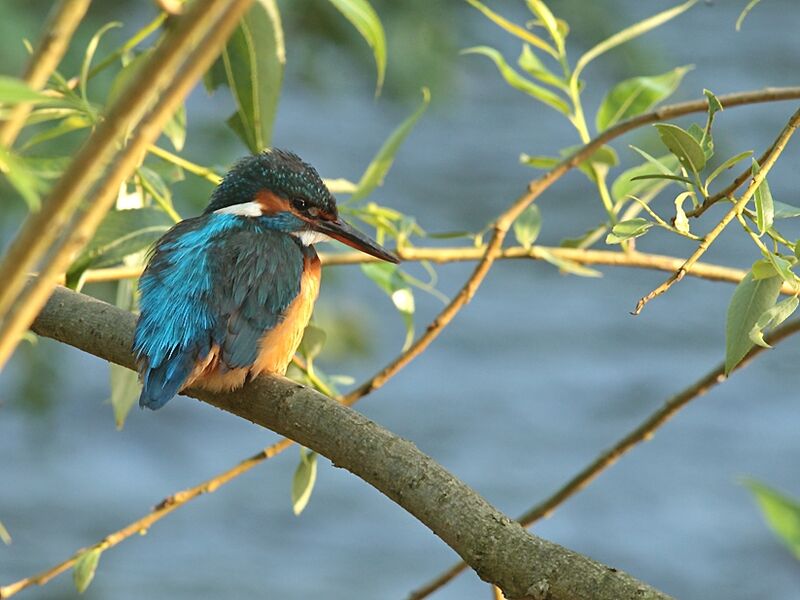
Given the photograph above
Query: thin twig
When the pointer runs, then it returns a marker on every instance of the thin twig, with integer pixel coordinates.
(182, 57)
(738, 206)
(58, 30)
(643, 432)
(639, 260)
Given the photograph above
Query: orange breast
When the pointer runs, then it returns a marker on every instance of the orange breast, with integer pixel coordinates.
(278, 345)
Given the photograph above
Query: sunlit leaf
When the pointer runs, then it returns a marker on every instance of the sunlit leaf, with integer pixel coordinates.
(364, 18)
(380, 165)
(750, 6)
(681, 222)
(120, 234)
(14, 91)
(528, 225)
(681, 143)
(88, 56)
(568, 266)
(628, 34)
(22, 178)
(541, 10)
(252, 67)
(637, 95)
(391, 280)
(303, 481)
(663, 176)
(514, 29)
(750, 300)
(781, 513)
(626, 230)
(771, 318)
(530, 63)
(627, 183)
(84, 569)
(539, 162)
(765, 209)
(519, 82)
(5, 537)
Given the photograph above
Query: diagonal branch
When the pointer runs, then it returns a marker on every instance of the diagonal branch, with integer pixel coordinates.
(736, 209)
(643, 432)
(499, 549)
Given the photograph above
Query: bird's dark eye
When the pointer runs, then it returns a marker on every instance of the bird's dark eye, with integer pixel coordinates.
(300, 204)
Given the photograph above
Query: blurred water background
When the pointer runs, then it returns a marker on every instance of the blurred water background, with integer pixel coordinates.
(534, 378)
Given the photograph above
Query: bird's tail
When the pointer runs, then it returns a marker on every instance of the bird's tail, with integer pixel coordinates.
(162, 383)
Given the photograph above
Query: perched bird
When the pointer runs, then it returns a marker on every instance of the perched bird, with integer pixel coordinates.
(227, 295)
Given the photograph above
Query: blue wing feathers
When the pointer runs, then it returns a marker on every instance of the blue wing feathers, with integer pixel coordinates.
(214, 280)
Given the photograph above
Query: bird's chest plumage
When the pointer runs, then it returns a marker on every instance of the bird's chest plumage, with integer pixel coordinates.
(263, 286)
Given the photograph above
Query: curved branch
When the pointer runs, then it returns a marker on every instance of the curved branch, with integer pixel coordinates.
(535, 189)
(643, 432)
(499, 549)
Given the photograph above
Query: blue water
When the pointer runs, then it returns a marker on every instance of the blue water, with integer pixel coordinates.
(539, 374)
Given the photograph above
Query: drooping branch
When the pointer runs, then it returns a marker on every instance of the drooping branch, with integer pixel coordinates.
(499, 549)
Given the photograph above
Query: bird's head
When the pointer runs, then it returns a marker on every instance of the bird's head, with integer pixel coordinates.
(277, 187)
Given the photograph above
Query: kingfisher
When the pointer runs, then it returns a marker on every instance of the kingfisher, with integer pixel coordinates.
(227, 295)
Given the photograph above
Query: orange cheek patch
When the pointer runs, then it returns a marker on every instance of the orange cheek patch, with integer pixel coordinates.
(272, 203)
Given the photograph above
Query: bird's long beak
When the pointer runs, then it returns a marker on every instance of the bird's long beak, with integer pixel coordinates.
(345, 233)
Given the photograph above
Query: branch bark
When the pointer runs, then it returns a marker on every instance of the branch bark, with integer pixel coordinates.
(499, 549)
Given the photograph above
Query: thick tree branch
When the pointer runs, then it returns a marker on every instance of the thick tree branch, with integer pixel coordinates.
(499, 549)
(643, 432)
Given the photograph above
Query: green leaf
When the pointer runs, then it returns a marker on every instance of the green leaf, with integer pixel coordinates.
(85, 566)
(763, 269)
(771, 318)
(784, 211)
(528, 225)
(391, 280)
(121, 233)
(627, 183)
(313, 341)
(14, 91)
(539, 162)
(380, 165)
(125, 390)
(605, 156)
(519, 82)
(628, 34)
(88, 56)
(514, 29)
(22, 178)
(67, 125)
(568, 266)
(681, 143)
(252, 66)
(681, 222)
(175, 129)
(364, 18)
(750, 6)
(781, 513)
(782, 267)
(750, 300)
(662, 176)
(626, 230)
(530, 63)
(635, 96)
(704, 138)
(765, 209)
(548, 20)
(728, 164)
(303, 481)
(714, 105)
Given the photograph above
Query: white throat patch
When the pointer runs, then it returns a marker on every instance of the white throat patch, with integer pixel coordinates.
(245, 209)
(309, 237)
